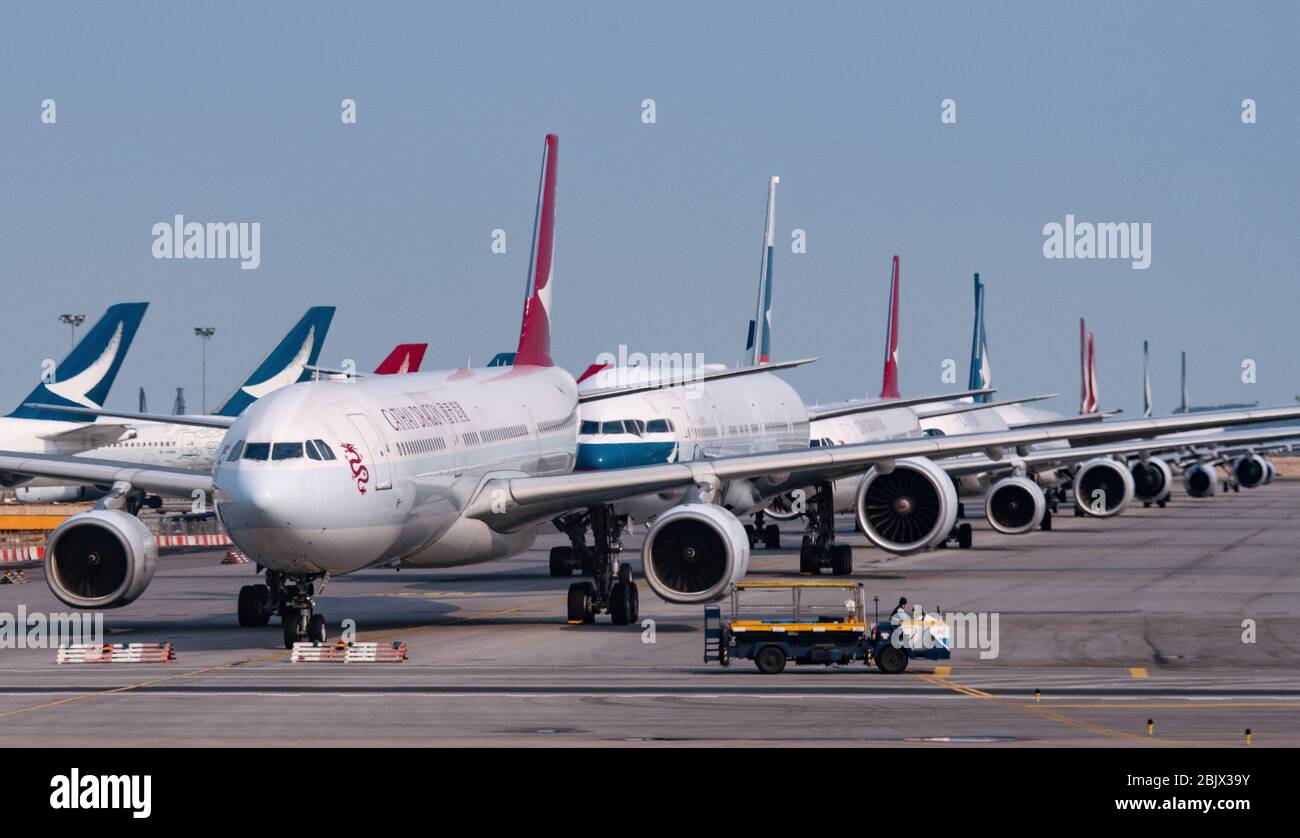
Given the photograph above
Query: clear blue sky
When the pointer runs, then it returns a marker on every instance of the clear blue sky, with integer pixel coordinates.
(1110, 111)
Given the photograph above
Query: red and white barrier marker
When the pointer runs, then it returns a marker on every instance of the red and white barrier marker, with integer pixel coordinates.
(234, 556)
(117, 653)
(341, 652)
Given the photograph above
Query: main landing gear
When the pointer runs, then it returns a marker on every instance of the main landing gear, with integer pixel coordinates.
(818, 550)
(290, 596)
(769, 535)
(611, 588)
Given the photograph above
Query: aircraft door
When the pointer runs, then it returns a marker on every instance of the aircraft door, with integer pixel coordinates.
(376, 450)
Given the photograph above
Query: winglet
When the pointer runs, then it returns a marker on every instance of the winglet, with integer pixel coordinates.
(535, 331)
(1087, 370)
(981, 377)
(760, 328)
(889, 388)
(405, 357)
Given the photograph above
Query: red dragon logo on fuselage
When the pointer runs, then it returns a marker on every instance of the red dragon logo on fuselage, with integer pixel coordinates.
(360, 473)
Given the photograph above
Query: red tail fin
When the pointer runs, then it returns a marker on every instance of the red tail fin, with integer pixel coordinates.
(889, 388)
(535, 332)
(1087, 370)
(405, 357)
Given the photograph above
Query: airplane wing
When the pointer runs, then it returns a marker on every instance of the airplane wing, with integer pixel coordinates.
(89, 435)
(964, 407)
(175, 482)
(509, 502)
(1238, 440)
(708, 375)
(1065, 420)
(200, 421)
(816, 412)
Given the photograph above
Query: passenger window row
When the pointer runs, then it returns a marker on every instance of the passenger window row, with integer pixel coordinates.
(422, 446)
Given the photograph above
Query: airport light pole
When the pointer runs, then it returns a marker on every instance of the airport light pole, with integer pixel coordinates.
(73, 320)
(205, 332)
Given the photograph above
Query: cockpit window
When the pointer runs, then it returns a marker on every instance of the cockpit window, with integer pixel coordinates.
(934, 432)
(635, 426)
(311, 450)
(657, 426)
(235, 452)
(257, 451)
(611, 427)
(325, 452)
(589, 427)
(286, 451)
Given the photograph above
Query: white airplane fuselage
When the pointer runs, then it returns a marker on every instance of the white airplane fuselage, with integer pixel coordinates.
(408, 453)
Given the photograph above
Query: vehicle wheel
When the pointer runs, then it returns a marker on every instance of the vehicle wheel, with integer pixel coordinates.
(770, 660)
(634, 601)
(1161, 503)
(251, 602)
(807, 563)
(751, 535)
(291, 619)
(772, 537)
(561, 561)
(891, 660)
(964, 536)
(1047, 520)
(316, 629)
(620, 603)
(581, 602)
(841, 560)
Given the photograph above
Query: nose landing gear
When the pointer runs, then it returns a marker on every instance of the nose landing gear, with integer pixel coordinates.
(290, 596)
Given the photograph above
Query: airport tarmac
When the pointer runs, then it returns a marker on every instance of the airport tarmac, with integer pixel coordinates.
(1115, 622)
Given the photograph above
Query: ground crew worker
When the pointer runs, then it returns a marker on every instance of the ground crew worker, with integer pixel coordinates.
(900, 609)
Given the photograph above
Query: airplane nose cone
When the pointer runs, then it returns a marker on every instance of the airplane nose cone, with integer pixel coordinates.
(263, 515)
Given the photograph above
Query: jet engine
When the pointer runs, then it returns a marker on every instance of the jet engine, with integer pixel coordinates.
(1152, 480)
(1199, 480)
(57, 494)
(1014, 505)
(694, 552)
(1270, 471)
(782, 508)
(1102, 487)
(1251, 470)
(912, 507)
(103, 558)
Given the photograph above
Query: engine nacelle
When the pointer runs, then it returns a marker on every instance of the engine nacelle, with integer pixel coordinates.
(1153, 480)
(103, 558)
(693, 553)
(911, 508)
(1251, 470)
(1271, 472)
(1102, 487)
(1199, 480)
(57, 494)
(1015, 505)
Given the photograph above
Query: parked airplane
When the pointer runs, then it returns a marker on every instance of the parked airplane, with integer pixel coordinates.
(448, 468)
